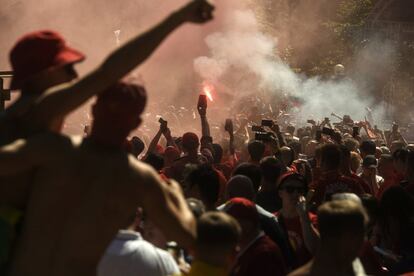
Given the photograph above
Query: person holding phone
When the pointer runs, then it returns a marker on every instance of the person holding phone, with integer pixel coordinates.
(294, 219)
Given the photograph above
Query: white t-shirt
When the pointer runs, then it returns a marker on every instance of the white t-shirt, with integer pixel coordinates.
(129, 254)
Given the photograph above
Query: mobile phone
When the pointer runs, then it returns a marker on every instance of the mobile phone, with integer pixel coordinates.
(355, 131)
(228, 125)
(258, 129)
(202, 101)
(328, 131)
(268, 123)
(163, 122)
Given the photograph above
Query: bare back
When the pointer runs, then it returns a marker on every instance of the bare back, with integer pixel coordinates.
(77, 204)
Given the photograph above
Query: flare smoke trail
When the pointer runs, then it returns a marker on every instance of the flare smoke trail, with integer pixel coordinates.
(242, 47)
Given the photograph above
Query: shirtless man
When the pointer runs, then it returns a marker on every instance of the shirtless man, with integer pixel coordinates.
(85, 190)
(342, 228)
(44, 75)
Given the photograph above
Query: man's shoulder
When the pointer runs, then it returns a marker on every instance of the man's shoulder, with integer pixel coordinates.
(141, 171)
(302, 271)
(265, 246)
(49, 142)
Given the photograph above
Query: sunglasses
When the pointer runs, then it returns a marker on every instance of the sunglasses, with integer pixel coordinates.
(292, 189)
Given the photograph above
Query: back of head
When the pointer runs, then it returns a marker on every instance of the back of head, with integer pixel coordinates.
(386, 158)
(155, 160)
(296, 147)
(345, 158)
(351, 143)
(367, 147)
(245, 212)
(397, 203)
(287, 155)
(240, 186)
(117, 110)
(256, 150)
(355, 161)
(137, 146)
(252, 171)
(396, 145)
(190, 142)
(196, 206)
(330, 157)
(217, 235)
(409, 166)
(206, 180)
(397, 217)
(341, 217)
(271, 169)
(171, 154)
(400, 155)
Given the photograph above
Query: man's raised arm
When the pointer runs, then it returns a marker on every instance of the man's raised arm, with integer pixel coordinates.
(59, 101)
(165, 205)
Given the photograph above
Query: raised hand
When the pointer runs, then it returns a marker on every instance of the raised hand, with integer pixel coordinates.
(197, 11)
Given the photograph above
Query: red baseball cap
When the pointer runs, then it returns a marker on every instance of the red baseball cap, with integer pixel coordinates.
(242, 208)
(39, 51)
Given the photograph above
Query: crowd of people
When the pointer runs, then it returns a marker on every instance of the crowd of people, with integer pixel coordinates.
(261, 197)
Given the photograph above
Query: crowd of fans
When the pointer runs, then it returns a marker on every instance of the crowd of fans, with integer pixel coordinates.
(263, 197)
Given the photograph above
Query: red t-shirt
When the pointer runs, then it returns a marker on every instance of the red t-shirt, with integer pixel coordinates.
(293, 228)
(223, 182)
(331, 183)
(225, 168)
(364, 185)
(262, 258)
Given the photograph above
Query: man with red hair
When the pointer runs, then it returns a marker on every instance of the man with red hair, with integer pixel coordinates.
(83, 191)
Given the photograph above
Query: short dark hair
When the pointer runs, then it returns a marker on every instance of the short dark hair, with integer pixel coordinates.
(271, 169)
(137, 145)
(368, 147)
(196, 206)
(207, 181)
(217, 229)
(400, 155)
(256, 150)
(252, 171)
(338, 217)
(330, 156)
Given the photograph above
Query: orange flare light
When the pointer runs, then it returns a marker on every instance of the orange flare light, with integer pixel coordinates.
(207, 89)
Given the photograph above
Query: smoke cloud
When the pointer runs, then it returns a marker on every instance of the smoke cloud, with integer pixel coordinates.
(243, 47)
(233, 53)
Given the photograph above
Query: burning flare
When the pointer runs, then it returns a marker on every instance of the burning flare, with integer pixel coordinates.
(208, 90)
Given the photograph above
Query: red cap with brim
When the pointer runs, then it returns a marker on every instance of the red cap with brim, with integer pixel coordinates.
(242, 208)
(37, 52)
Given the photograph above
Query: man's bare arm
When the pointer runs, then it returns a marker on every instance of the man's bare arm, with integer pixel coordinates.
(165, 205)
(59, 101)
